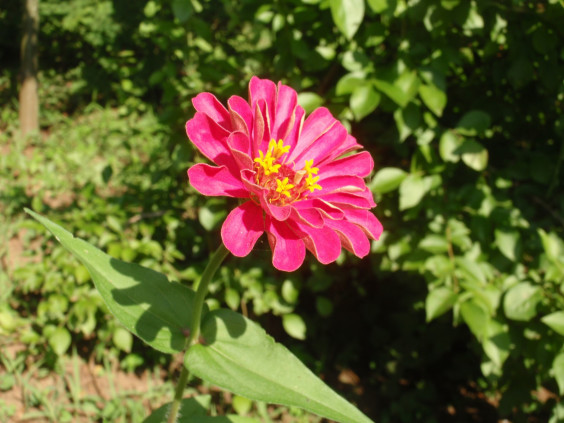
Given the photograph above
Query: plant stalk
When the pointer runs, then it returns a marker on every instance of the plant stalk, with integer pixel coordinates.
(201, 293)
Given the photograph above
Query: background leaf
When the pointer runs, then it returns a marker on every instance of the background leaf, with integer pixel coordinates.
(294, 325)
(473, 123)
(434, 98)
(363, 101)
(387, 179)
(520, 302)
(555, 321)
(347, 15)
(438, 302)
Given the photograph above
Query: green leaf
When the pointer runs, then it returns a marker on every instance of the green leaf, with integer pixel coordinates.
(476, 318)
(363, 101)
(448, 145)
(294, 326)
(520, 301)
(182, 10)
(438, 302)
(324, 306)
(212, 214)
(237, 354)
(144, 301)
(474, 155)
(241, 404)
(232, 298)
(555, 321)
(473, 123)
(408, 119)
(498, 343)
(193, 410)
(558, 369)
(387, 179)
(122, 339)
(347, 15)
(59, 340)
(552, 245)
(189, 408)
(309, 101)
(434, 244)
(412, 189)
(434, 98)
(290, 291)
(399, 88)
(350, 82)
(379, 6)
(508, 243)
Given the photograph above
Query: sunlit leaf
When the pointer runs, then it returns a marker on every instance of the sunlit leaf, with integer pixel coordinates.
(347, 15)
(237, 354)
(434, 98)
(520, 302)
(438, 302)
(60, 340)
(387, 179)
(558, 369)
(294, 326)
(144, 301)
(473, 154)
(507, 242)
(379, 6)
(555, 321)
(364, 100)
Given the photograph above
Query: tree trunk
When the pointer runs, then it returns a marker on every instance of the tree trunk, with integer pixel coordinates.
(29, 100)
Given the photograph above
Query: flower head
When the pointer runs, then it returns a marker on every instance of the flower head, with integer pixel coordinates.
(291, 172)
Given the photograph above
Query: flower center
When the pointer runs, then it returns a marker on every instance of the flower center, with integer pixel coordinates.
(284, 184)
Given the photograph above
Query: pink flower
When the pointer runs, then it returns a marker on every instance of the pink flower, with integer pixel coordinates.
(291, 174)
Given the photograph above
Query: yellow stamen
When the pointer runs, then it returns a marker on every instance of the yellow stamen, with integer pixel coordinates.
(311, 183)
(283, 187)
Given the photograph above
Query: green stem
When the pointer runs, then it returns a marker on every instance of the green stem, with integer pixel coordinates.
(209, 271)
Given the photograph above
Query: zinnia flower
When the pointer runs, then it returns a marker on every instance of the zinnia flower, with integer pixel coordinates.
(292, 174)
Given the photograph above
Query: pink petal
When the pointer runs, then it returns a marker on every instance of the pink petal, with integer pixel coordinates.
(360, 164)
(241, 114)
(352, 237)
(265, 90)
(279, 213)
(211, 180)
(210, 139)
(352, 184)
(258, 131)
(286, 102)
(363, 199)
(327, 210)
(242, 228)
(294, 132)
(307, 215)
(316, 124)
(349, 145)
(208, 104)
(324, 243)
(288, 250)
(263, 140)
(321, 147)
(240, 141)
(366, 221)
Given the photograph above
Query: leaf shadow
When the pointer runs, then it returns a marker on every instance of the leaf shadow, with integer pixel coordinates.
(167, 305)
(233, 323)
